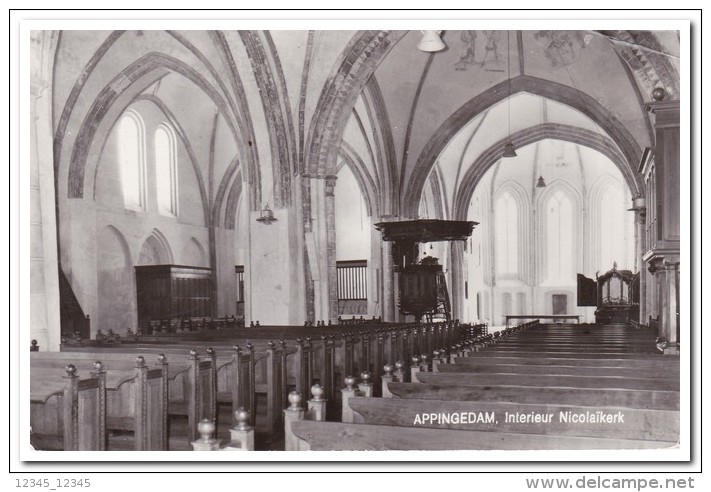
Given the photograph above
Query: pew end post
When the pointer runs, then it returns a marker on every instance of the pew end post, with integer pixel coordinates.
(294, 412)
(399, 372)
(241, 434)
(317, 404)
(415, 368)
(206, 429)
(346, 393)
(386, 379)
(365, 387)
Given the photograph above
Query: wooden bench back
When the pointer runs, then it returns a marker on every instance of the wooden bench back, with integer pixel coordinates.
(67, 411)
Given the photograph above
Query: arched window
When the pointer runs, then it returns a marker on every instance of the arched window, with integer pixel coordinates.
(506, 305)
(506, 235)
(132, 162)
(166, 170)
(560, 233)
(612, 226)
(521, 302)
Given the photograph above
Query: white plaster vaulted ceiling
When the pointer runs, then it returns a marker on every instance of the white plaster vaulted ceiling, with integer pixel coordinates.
(555, 78)
(416, 108)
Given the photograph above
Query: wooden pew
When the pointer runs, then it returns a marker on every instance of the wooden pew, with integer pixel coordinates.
(545, 380)
(240, 375)
(229, 374)
(509, 379)
(191, 381)
(581, 368)
(136, 396)
(648, 363)
(518, 354)
(651, 399)
(329, 436)
(236, 383)
(542, 419)
(67, 412)
(275, 368)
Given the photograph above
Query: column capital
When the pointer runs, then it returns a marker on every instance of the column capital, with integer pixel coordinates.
(666, 113)
(671, 262)
(661, 106)
(330, 182)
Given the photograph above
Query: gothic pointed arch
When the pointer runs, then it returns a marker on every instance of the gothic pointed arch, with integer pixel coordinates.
(233, 199)
(155, 250)
(118, 94)
(529, 136)
(132, 159)
(559, 223)
(554, 91)
(608, 228)
(511, 212)
(368, 188)
(178, 134)
(356, 65)
(385, 146)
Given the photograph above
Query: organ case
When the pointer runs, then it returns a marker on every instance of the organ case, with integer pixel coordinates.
(171, 292)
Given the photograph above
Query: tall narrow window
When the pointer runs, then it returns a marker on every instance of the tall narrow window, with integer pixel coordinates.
(612, 227)
(560, 233)
(166, 170)
(131, 150)
(506, 235)
(521, 301)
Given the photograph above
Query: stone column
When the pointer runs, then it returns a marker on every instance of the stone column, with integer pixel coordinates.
(44, 323)
(640, 249)
(332, 273)
(376, 293)
(457, 293)
(653, 292)
(273, 282)
(321, 247)
(389, 299)
(669, 327)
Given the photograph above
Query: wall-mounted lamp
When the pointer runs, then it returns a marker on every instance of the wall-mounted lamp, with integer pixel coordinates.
(431, 42)
(541, 182)
(266, 216)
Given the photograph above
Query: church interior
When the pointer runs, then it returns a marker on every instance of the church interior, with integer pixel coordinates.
(311, 209)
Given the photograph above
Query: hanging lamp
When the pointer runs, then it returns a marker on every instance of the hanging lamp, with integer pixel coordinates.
(509, 149)
(431, 42)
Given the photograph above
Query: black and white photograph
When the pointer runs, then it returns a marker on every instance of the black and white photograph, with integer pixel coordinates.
(287, 238)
